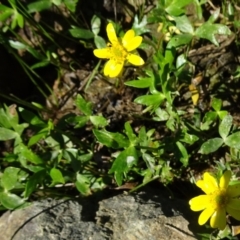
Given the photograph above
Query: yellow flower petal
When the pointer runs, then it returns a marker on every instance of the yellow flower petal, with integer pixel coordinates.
(218, 219)
(210, 182)
(233, 212)
(205, 185)
(133, 44)
(205, 215)
(195, 94)
(112, 68)
(129, 35)
(201, 184)
(234, 204)
(135, 59)
(225, 178)
(234, 190)
(111, 33)
(102, 53)
(199, 203)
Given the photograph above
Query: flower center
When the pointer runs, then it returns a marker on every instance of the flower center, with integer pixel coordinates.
(219, 199)
(118, 52)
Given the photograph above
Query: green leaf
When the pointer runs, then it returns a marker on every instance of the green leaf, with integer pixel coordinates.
(17, 45)
(20, 20)
(208, 30)
(56, 2)
(95, 24)
(171, 124)
(9, 178)
(85, 157)
(150, 162)
(214, 15)
(233, 140)
(141, 83)
(38, 55)
(21, 46)
(81, 33)
(56, 176)
(13, 23)
(181, 61)
(184, 25)
(55, 141)
(176, 7)
(8, 117)
(6, 15)
(216, 104)
(123, 163)
(198, 7)
(41, 64)
(38, 6)
(32, 183)
(189, 138)
(148, 175)
(184, 159)
(28, 154)
(99, 121)
(10, 200)
(38, 136)
(83, 184)
(222, 114)
(31, 118)
(179, 40)
(99, 42)
(84, 106)
(149, 100)
(140, 27)
(208, 119)
(4, 8)
(71, 5)
(225, 126)
(211, 145)
(109, 139)
(162, 115)
(129, 132)
(78, 121)
(7, 134)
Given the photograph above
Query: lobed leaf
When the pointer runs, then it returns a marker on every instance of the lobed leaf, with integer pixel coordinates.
(209, 30)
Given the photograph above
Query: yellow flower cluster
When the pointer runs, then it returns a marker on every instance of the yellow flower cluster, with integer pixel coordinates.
(219, 198)
(118, 52)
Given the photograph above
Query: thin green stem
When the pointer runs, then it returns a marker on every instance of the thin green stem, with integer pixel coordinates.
(94, 72)
(143, 184)
(15, 99)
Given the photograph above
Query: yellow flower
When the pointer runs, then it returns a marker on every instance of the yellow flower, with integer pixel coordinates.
(219, 199)
(118, 52)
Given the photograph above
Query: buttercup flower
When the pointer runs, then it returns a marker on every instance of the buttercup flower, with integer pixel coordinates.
(219, 199)
(118, 52)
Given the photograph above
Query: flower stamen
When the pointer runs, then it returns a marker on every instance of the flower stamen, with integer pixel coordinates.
(219, 199)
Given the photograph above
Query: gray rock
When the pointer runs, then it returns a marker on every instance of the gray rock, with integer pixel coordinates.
(49, 220)
(141, 216)
(133, 218)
